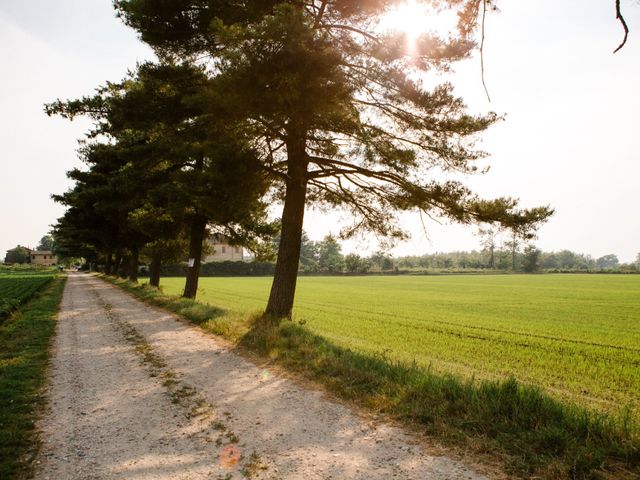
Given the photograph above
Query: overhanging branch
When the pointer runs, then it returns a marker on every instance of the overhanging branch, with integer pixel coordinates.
(624, 26)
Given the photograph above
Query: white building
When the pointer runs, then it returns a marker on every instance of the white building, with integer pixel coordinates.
(221, 251)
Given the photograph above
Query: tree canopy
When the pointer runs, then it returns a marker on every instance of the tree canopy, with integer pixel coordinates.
(18, 254)
(46, 243)
(306, 104)
(338, 110)
(157, 167)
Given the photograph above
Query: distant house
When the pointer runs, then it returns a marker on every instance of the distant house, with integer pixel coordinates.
(43, 257)
(221, 251)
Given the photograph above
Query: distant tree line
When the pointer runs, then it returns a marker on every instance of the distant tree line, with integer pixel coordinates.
(506, 254)
(530, 259)
(325, 257)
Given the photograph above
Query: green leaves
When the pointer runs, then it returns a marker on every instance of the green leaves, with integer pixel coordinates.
(325, 74)
(164, 160)
(308, 103)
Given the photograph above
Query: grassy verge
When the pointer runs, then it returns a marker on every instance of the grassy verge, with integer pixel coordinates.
(24, 354)
(533, 433)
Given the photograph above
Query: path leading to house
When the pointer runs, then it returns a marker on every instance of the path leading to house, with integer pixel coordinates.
(134, 393)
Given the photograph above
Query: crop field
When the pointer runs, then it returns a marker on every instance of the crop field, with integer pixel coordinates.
(576, 336)
(18, 287)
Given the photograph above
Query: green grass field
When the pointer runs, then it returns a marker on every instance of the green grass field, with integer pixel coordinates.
(576, 336)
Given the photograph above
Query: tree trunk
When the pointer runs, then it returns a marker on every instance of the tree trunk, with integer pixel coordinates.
(283, 288)
(108, 263)
(154, 269)
(133, 264)
(198, 228)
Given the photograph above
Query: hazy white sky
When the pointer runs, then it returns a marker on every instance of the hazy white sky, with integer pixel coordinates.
(570, 137)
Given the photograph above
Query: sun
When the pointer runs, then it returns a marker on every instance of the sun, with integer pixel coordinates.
(409, 17)
(415, 18)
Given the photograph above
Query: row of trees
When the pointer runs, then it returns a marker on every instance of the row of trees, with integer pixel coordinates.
(326, 256)
(529, 259)
(160, 171)
(256, 103)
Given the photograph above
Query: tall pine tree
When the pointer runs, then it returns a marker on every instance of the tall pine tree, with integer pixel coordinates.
(339, 112)
(170, 162)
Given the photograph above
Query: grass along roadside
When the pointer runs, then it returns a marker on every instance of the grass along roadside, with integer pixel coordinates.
(532, 433)
(24, 355)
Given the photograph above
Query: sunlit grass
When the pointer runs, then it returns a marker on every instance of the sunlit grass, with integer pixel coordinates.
(577, 336)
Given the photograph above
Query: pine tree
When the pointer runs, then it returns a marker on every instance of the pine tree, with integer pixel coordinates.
(336, 106)
(169, 164)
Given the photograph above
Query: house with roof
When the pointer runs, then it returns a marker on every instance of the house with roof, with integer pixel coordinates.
(221, 251)
(45, 258)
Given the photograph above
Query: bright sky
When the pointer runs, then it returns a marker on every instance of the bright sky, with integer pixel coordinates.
(570, 136)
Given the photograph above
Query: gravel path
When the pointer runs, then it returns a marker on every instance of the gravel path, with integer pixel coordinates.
(135, 393)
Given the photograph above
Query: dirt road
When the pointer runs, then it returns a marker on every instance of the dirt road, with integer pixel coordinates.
(135, 394)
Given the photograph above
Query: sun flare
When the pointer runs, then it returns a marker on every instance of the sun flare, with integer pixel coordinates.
(414, 18)
(409, 17)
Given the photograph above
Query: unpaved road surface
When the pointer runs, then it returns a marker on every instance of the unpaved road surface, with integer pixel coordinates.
(135, 394)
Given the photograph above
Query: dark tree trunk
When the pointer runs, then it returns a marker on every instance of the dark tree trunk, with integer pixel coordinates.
(196, 237)
(198, 228)
(133, 264)
(108, 263)
(154, 269)
(283, 288)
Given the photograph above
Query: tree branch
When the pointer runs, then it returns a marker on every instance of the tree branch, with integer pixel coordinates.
(316, 24)
(329, 26)
(484, 14)
(624, 26)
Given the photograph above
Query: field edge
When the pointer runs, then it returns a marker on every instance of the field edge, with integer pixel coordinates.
(25, 340)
